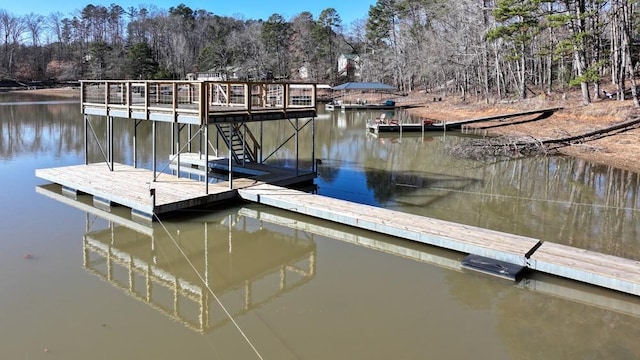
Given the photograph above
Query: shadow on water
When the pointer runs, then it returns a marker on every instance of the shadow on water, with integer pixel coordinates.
(412, 187)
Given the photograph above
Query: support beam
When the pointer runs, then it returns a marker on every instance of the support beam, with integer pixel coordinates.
(86, 139)
(206, 157)
(110, 140)
(230, 146)
(153, 149)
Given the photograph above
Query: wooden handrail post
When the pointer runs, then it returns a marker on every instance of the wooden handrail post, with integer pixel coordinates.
(202, 108)
(247, 97)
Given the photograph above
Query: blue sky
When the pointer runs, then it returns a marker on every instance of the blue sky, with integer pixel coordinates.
(348, 10)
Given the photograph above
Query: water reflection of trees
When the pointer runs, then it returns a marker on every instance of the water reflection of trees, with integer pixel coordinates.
(50, 129)
(567, 201)
(57, 130)
(559, 199)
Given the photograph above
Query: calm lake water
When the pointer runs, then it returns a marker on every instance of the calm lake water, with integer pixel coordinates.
(75, 285)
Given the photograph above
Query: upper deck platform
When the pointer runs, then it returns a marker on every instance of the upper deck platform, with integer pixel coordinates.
(198, 102)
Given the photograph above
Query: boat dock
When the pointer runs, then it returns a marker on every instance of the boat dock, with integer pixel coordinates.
(365, 106)
(227, 107)
(391, 125)
(209, 112)
(585, 266)
(130, 187)
(552, 286)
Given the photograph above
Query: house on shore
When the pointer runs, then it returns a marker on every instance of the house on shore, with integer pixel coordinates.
(349, 67)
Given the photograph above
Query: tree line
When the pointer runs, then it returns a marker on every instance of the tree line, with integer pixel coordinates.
(482, 49)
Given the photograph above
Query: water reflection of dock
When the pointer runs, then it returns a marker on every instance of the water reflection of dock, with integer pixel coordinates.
(144, 263)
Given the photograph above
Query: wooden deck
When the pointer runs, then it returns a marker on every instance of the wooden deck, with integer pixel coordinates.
(585, 266)
(390, 125)
(131, 187)
(198, 102)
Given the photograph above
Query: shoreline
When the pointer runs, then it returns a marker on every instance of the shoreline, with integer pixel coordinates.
(65, 92)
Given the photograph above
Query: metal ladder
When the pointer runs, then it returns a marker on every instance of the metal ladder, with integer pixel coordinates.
(244, 146)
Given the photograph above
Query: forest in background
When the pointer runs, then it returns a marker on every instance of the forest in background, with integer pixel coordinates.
(481, 49)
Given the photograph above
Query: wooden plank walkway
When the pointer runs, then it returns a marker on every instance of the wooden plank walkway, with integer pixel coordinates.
(448, 235)
(608, 271)
(586, 266)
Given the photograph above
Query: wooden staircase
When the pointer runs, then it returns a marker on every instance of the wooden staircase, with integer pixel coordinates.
(244, 146)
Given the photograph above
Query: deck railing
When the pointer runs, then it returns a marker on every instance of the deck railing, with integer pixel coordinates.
(194, 99)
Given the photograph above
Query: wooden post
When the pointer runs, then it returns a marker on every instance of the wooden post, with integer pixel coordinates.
(153, 148)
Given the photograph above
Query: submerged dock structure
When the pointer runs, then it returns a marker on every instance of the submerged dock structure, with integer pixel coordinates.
(235, 112)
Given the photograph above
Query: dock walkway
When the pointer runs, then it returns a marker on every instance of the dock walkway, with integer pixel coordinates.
(130, 187)
(590, 267)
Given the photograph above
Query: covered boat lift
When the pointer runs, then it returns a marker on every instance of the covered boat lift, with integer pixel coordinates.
(374, 87)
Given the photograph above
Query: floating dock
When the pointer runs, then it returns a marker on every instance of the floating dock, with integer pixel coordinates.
(355, 106)
(136, 189)
(391, 125)
(589, 267)
(553, 286)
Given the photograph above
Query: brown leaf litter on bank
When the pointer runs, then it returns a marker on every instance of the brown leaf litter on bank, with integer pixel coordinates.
(618, 149)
